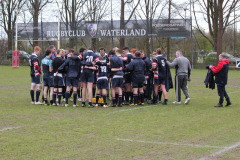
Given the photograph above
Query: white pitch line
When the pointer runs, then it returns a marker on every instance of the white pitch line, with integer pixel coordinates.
(175, 144)
(130, 109)
(5, 129)
(234, 92)
(221, 151)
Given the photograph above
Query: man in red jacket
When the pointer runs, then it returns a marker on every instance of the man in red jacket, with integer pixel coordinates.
(221, 77)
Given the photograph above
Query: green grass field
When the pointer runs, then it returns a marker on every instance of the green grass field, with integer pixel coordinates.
(194, 131)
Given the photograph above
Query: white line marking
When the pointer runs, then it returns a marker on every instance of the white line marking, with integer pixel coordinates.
(175, 144)
(234, 92)
(5, 129)
(221, 151)
(130, 109)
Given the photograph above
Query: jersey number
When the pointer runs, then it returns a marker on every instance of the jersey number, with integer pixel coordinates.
(163, 63)
(89, 58)
(103, 69)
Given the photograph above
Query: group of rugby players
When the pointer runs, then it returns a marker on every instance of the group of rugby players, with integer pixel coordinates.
(133, 78)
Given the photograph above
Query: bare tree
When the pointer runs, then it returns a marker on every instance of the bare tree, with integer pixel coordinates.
(97, 10)
(149, 10)
(122, 16)
(35, 7)
(9, 10)
(72, 12)
(217, 14)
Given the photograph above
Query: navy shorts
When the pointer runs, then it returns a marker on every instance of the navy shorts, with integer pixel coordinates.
(117, 82)
(102, 84)
(137, 84)
(87, 77)
(158, 81)
(36, 80)
(58, 82)
(48, 81)
(127, 78)
(72, 82)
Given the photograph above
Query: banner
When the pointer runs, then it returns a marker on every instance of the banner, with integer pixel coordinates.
(102, 29)
(15, 59)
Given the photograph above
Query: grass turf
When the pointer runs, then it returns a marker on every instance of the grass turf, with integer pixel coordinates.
(151, 132)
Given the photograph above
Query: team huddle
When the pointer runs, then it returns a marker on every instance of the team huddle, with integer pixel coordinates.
(131, 77)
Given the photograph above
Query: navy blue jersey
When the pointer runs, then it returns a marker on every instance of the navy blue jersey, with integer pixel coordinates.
(148, 64)
(46, 64)
(137, 68)
(116, 62)
(34, 65)
(102, 69)
(73, 67)
(160, 63)
(88, 58)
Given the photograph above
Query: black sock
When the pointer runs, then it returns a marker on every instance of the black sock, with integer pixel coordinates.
(105, 99)
(93, 92)
(165, 100)
(159, 95)
(142, 97)
(83, 103)
(67, 95)
(90, 103)
(116, 97)
(70, 94)
(78, 93)
(97, 98)
(113, 101)
(127, 96)
(37, 95)
(135, 98)
(75, 98)
(131, 95)
(59, 97)
(45, 100)
(51, 102)
(32, 95)
(54, 97)
(119, 100)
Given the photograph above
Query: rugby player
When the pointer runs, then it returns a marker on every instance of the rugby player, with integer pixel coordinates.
(35, 72)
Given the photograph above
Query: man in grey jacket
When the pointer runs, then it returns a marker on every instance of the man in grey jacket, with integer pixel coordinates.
(183, 70)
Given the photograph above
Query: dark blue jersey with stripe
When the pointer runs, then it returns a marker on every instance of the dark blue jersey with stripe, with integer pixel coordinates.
(160, 62)
(116, 62)
(102, 68)
(137, 68)
(34, 65)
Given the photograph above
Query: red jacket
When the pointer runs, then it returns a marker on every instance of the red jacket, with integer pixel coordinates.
(221, 72)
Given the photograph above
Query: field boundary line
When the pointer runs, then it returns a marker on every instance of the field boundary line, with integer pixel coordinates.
(220, 152)
(234, 92)
(9, 128)
(171, 143)
(130, 109)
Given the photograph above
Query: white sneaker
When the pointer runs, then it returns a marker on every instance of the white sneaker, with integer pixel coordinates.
(54, 104)
(80, 99)
(105, 106)
(75, 105)
(187, 101)
(66, 105)
(63, 100)
(175, 102)
(38, 103)
(96, 105)
(32, 102)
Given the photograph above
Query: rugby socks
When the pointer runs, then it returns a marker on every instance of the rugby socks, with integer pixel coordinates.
(105, 99)
(51, 102)
(78, 93)
(75, 98)
(70, 95)
(120, 100)
(46, 101)
(67, 95)
(116, 96)
(59, 97)
(97, 98)
(132, 96)
(54, 97)
(113, 101)
(37, 95)
(142, 97)
(135, 96)
(90, 103)
(159, 95)
(127, 94)
(93, 92)
(32, 95)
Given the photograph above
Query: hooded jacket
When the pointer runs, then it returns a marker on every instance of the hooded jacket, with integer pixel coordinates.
(221, 72)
